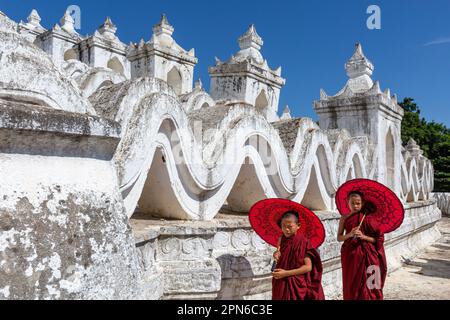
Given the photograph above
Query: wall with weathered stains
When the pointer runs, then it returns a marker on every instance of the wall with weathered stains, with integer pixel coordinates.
(63, 230)
(64, 233)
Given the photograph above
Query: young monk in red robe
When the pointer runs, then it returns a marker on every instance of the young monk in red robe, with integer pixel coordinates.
(298, 274)
(363, 259)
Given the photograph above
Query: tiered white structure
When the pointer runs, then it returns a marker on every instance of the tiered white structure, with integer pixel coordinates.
(443, 202)
(247, 78)
(98, 136)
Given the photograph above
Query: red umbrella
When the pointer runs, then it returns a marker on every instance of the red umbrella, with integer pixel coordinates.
(387, 207)
(266, 214)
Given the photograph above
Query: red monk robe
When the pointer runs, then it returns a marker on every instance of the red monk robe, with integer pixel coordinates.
(307, 286)
(357, 256)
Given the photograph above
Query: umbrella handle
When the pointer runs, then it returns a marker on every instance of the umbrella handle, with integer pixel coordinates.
(274, 266)
(362, 220)
(360, 225)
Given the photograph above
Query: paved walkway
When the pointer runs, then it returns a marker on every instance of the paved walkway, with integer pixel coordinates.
(426, 277)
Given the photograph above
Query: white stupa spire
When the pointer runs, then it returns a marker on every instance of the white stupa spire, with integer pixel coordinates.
(34, 19)
(67, 23)
(359, 70)
(108, 29)
(250, 43)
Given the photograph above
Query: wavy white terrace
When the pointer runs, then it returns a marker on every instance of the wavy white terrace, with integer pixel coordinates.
(97, 135)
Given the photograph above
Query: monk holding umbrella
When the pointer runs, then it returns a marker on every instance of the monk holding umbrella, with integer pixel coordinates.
(297, 233)
(369, 210)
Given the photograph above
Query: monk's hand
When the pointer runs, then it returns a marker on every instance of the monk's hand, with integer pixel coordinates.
(359, 234)
(353, 232)
(277, 255)
(279, 273)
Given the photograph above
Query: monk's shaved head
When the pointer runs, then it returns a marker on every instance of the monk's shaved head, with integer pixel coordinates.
(355, 201)
(355, 194)
(289, 215)
(289, 223)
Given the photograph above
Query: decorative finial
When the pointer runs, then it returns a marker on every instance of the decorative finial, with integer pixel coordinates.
(108, 29)
(217, 60)
(413, 148)
(394, 98)
(323, 95)
(250, 39)
(412, 142)
(358, 65)
(163, 27)
(278, 71)
(56, 27)
(286, 113)
(359, 69)
(164, 20)
(34, 18)
(198, 84)
(250, 43)
(67, 23)
(376, 88)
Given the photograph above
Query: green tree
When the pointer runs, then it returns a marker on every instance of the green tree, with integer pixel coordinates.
(434, 140)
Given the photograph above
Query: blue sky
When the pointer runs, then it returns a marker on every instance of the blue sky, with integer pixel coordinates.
(311, 40)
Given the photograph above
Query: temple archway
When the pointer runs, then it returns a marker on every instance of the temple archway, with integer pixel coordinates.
(312, 197)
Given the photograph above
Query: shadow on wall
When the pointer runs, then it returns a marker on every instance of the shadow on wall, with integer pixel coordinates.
(239, 282)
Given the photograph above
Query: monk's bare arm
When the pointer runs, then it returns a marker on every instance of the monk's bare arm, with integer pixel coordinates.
(341, 237)
(307, 267)
(363, 237)
(369, 239)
